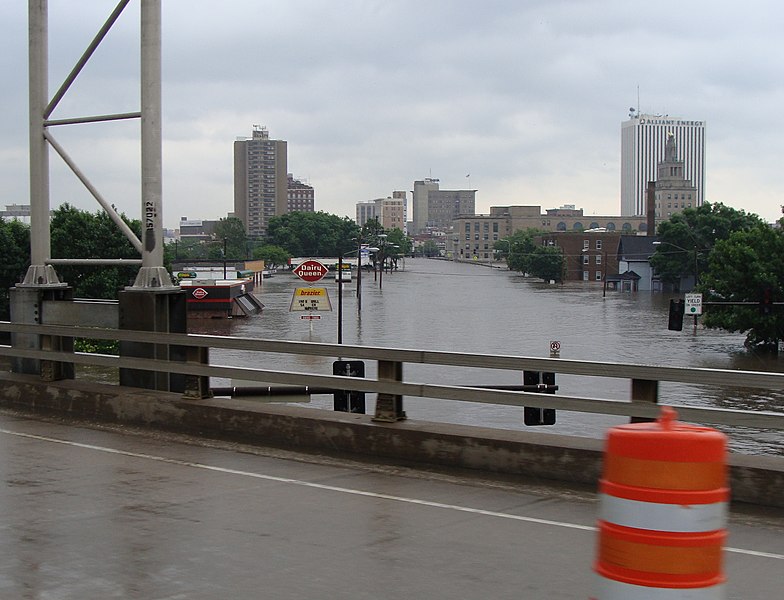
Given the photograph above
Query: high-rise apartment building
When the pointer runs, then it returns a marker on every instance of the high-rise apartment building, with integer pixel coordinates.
(301, 196)
(643, 142)
(260, 180)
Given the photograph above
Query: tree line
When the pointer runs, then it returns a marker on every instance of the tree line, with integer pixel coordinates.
(77, 233)
(734, 257)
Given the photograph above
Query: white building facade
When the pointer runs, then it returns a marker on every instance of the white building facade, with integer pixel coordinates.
(643, 142)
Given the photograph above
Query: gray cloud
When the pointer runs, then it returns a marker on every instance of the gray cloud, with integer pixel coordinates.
(526, 96)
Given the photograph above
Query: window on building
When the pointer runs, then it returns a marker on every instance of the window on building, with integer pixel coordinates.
(586, 244)
(495, 227)
(586, 258)
(598, 244)
(598, 275)
(598, 259)
(585, 275)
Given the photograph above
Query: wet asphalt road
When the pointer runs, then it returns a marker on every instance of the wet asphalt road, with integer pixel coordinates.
(99, 513)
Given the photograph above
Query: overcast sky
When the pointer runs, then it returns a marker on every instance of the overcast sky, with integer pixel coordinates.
(526, 96)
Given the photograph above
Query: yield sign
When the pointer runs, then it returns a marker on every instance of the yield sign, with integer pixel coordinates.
(311, 271)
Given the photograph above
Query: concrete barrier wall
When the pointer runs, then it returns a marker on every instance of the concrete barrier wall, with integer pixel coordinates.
(754, 479)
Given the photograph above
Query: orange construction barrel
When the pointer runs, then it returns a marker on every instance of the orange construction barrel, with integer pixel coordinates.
(662, 512)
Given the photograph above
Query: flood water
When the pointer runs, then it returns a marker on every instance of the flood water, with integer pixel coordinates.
(463, 307)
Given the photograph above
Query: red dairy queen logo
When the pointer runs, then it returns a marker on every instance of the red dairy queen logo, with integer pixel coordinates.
(311, 271)
(199, 293)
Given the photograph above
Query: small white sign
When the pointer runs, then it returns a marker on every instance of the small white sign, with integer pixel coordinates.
(555, 349)
(693, 304)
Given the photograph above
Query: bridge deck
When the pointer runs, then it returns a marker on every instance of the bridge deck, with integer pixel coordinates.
(103, 513)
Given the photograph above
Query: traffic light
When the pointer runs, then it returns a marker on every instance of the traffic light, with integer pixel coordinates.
(766, 303)
(677, 308)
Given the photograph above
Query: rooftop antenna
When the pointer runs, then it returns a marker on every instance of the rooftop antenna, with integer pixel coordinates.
(638, 98)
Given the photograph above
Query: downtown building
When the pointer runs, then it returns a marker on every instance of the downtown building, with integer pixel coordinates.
(643, 144)
(473, 237)
(260, 180)
(390, 212)
(436, 209)
(300, 196)
(673, 191)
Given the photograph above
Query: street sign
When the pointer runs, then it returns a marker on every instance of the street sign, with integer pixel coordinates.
(555, 349)
(310, 317)
(693, 304)
(315, 299)
(310, 271)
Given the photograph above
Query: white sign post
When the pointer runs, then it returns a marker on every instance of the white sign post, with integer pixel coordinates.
(693, 304)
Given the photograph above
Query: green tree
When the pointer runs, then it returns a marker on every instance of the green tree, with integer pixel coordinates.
(15, 244)
(273, 256)
(688, 238)
(231, 231)
(524, 255)
(371, 230)
(397, 244)
(80, 234)
(313, 234)
(547, 262)
(430, 249)
(741, 269)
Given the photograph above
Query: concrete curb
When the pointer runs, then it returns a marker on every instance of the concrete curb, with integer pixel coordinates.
(754, 479)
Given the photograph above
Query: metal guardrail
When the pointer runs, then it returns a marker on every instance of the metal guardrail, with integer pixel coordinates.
(389, 383)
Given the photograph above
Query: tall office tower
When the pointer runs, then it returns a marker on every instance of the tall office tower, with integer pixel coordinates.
(421, 190)
(301, 196)
(673, 191)
(443, 206)
(260, 180)
(643, 141)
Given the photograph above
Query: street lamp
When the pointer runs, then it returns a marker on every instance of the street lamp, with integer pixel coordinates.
(383, 238)
(604, 268)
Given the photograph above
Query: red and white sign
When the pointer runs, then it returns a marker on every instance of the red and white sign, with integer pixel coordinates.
(311, 271)
(200, 293)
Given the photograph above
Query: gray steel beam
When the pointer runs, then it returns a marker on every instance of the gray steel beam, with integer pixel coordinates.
(127, 231)
(94, 119)
(152, 275)
(84, 58)
(39, 273)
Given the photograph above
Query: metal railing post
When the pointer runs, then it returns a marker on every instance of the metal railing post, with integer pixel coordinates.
(647, 391)
(389, 407)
